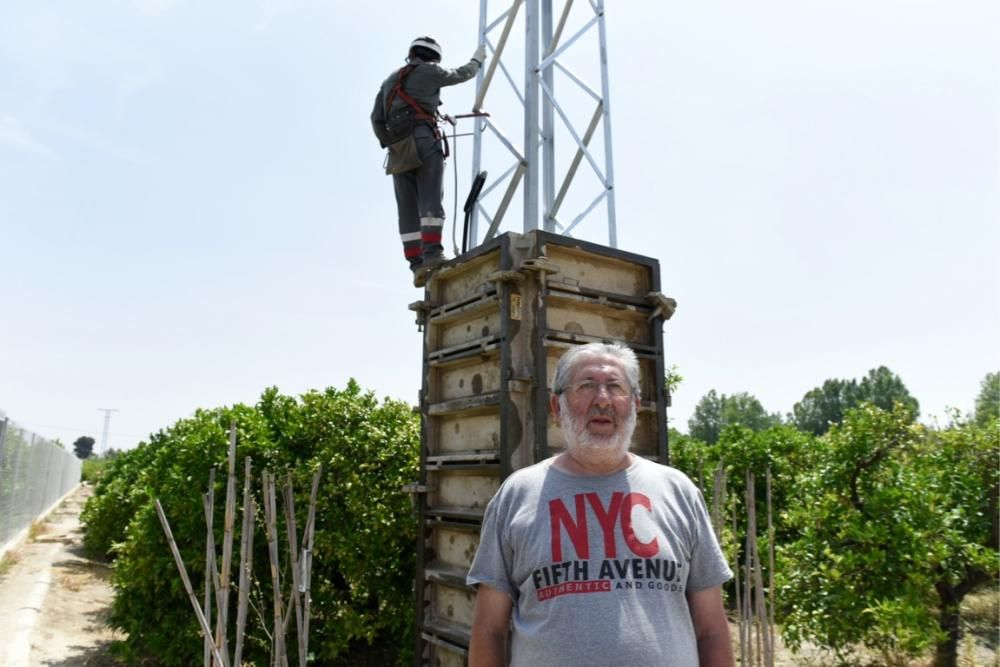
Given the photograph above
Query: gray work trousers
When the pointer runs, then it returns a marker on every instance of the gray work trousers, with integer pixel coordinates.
(418, 200)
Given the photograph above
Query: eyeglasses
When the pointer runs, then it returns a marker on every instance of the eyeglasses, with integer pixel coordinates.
(589, 389)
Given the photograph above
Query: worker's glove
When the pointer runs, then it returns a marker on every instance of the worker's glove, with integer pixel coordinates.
(480, 55)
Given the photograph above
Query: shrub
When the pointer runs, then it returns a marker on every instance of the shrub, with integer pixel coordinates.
(363, 559)
(896, 525)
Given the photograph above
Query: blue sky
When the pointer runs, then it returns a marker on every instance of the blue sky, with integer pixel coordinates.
(192, 207)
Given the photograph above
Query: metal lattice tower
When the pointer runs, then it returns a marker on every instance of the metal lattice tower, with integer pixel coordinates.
(107, 427)
(547, 116)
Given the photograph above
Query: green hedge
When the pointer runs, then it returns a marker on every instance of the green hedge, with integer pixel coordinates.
(365, 532)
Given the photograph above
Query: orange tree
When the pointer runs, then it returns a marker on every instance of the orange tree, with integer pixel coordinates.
(895, 524)
(365, 532)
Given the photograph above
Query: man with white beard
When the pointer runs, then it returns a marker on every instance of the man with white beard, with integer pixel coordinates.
(597, 556)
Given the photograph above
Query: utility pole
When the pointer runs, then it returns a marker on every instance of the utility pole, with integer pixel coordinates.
(107, 425)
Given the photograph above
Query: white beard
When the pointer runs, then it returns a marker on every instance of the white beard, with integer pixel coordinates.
(599, 449)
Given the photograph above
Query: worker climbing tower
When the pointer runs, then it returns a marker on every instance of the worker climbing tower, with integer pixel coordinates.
(496, 319)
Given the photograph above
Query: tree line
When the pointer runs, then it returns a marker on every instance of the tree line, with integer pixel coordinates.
(822, 406)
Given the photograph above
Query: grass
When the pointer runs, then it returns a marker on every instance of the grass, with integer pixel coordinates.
(93, 469)
(37, 528)
(982, 608)
(8, 561)
(981, 625)
(70, 583)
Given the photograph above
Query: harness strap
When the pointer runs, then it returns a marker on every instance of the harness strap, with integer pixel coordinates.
(421, 113)
(397, 89)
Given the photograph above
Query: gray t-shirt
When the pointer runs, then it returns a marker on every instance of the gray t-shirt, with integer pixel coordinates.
(598, 566)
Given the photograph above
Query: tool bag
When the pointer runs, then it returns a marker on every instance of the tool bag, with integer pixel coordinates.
(402, 156)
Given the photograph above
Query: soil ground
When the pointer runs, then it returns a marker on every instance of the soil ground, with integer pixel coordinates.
(54, 604)
(68, 629)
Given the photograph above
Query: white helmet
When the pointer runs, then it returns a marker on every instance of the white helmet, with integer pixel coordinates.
(426, 43)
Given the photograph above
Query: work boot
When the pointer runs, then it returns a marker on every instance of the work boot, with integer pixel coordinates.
(423, 271)
(419, 276)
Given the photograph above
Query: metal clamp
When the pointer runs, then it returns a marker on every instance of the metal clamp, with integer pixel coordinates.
(664, 306)
(421, 308)
(541, 264)
(505, 277)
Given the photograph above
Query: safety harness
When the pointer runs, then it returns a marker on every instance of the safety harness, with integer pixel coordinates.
(402, 122)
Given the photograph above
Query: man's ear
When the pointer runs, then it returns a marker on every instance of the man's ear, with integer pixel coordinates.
(554, 405)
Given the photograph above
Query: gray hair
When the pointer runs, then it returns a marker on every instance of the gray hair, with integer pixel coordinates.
(577, 355)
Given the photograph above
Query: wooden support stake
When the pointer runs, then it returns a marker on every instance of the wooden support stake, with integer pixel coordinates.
(758, 584)
(206, 632)
(209, 501)
(718, 500)
(770, 567)
(739, 597)
(270, 511)
(227, 547)
(212, 572)
(246, 563)
(748, 578)
(295, 596)
(307, 554)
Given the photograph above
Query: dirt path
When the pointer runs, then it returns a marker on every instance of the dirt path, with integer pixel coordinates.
(54, 600)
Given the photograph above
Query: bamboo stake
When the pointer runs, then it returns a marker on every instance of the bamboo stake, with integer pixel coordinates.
(765, 632)
(307, 555)
(701, 472)
(739, 598)
(718, 500)
(213, 574)
(246, 563)
(208, 500)
(295, 596)
(270, 506)
(770, 563)
(747, 561)
(757, 584)
(206, 632)
(221, 640)
(209, 505)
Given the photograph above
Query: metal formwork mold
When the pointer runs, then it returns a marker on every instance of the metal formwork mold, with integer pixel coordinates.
(495, 321)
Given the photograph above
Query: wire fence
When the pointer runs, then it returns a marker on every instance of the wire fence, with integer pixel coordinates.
(34, 474)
